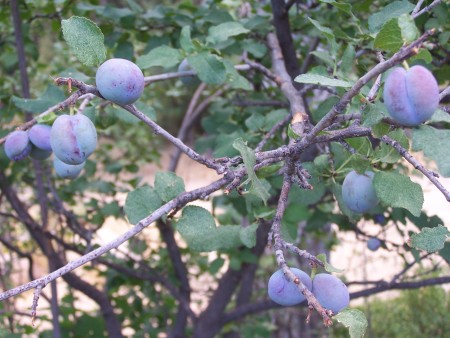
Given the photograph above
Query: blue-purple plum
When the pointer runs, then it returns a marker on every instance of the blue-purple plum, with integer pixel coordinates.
(373, 244)
(284, 292)
(120, 81)
(330, 291)
(358, 192)
(73, 138)
(39, 135)
(187, 80)
(39, 154)
(411, 97)
(65, 170)
(379, 218)
(17, 145)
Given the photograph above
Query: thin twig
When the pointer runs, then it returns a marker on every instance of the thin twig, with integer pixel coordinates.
(432, 176)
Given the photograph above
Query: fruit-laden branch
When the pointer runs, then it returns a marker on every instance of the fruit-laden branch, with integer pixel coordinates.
(265, 305)
(280, 244)
(175, 203)
(403, 54)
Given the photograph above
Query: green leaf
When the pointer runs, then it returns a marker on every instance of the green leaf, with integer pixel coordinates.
(322, 80)
(445, 252)
(52, 96)
(247, 235)
(391, 11)
(325, 30)
(185, 40)
(328, 267)
(434, 144)
(162, 56)
(387, 154)
(224, 31)
(397, 190)
(209, 67)
(355, 320)
(249, 159)
(440, 116)
(198, 228)
(430, 239)
(168, 185)
(85, 40)
(390, 37)
(234, 79)
(408, 28)
(140, 203)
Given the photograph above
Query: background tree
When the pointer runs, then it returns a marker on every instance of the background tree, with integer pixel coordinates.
(279, 101)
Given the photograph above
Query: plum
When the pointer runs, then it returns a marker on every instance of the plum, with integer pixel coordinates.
(39, 135)
(39, 154)
(284, 292)
(120, 81)
(373, 244)
(65, 170)
(187, 80)
(358, 192)
(331, 292)
(411, 97)
(17, 145)
(73, 138)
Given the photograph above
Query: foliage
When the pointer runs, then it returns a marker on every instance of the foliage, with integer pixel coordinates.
(290, 103)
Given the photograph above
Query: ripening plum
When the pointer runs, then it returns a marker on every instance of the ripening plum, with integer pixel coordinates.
(358, 192)
(411, 97)
(284, 292)
(331, 292)
(120, 81)
(65, 170)
(187, 80)
(373, 244)
(39, 154)
(73, 138)
(17, 145)
(39, 135)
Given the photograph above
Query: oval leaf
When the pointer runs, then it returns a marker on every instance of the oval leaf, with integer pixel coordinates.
(355, 320)
(85, 40)
(322, 80)
(430, 239)
(398, 191)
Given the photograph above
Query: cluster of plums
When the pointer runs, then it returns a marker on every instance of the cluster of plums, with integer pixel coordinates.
(329, 290)
(411, 97)
(72, 139)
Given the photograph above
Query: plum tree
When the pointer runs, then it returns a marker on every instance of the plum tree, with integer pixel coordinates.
(330, 291)
(65, 170)
(73, 138)
(284, 292)
(17, 145)
(187, 80)
(358, 192)
(373, 244)
(39, 136)
(120, 81)
(411, 97)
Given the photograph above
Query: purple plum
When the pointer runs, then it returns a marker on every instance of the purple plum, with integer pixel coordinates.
(120, 81)
(411, 97)
(17, 145)
(73, 138)
(284, 292)
(331, 292)
(358, 192)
